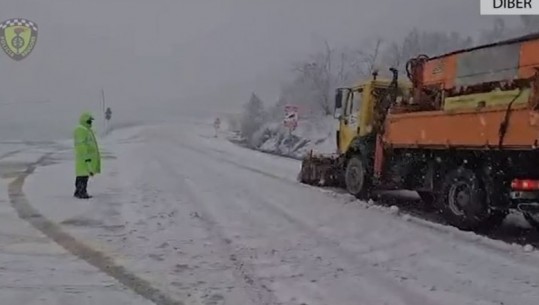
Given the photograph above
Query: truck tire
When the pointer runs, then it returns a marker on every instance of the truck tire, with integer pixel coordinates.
(462, 200)
(355, 178)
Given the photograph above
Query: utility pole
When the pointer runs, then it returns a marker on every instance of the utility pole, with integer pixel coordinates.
(103, 110)
(103, 100)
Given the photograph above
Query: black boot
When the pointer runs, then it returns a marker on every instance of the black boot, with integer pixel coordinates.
(78, 187)
(84, 194)
(81, 184)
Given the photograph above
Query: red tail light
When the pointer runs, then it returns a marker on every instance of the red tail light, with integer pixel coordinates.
(525, 185)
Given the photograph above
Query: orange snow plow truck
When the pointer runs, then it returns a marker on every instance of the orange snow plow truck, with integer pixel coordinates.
(463, 132)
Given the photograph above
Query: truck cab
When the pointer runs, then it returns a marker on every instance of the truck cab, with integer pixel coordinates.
(354, 108)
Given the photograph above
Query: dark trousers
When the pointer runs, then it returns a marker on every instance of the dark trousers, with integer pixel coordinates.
(81, 185)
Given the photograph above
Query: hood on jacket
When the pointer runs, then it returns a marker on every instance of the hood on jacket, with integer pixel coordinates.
(84, 118)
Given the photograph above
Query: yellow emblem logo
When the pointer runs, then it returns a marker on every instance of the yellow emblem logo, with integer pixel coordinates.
(18, 37)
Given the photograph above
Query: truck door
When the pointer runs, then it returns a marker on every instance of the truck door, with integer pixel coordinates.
(349, 123)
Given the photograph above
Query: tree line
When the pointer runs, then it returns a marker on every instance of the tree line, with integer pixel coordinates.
(317, 76)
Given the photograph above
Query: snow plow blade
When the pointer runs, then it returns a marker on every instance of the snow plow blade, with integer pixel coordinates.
(321, 170)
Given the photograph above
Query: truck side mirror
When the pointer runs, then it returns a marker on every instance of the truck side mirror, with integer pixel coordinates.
(394, 74)
(338, 99)
(338, 104)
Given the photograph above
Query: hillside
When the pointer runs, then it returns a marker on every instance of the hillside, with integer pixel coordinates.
(317, 134)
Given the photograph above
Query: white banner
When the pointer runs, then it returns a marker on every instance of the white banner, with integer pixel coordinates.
(509, 7)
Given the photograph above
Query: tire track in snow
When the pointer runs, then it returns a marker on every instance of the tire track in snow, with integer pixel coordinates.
(417, 217)
(95, 258)
(243, 271)
(11, 153)
(424, 217)
(494, 245)
(329, 247)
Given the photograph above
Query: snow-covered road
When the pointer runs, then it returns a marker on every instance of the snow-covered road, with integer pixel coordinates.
(35, 270)
(207, 222)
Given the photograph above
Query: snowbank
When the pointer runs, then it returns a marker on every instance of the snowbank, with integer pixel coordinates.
(317, 134)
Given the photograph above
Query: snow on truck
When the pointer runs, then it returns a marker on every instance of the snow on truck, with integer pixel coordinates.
(463, 132)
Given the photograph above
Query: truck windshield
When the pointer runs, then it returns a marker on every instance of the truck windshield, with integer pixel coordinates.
(354, 102)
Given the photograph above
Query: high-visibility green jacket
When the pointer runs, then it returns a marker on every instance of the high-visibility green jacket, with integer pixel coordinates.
(87, 156)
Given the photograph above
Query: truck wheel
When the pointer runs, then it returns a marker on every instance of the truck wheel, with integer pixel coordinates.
(355, 178)
(463, 202)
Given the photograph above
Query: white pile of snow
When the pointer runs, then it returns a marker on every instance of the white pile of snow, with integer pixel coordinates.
(317, 134)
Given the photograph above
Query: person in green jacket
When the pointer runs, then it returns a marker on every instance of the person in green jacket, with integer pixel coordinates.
(87, 156)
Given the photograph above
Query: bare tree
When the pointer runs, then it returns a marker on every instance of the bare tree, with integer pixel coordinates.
(317, 74)
(498, 31)
(253, 117)
(394, 55)
(332, 68)
(317, 77)
(351, 65)
(415, 43)
(370, 57)
(234, 122)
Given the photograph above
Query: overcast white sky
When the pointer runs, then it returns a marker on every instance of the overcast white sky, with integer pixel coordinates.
(188, 56)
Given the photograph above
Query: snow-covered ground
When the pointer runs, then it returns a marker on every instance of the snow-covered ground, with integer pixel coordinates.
(35, 270)
(317, 134)
(204, 221)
